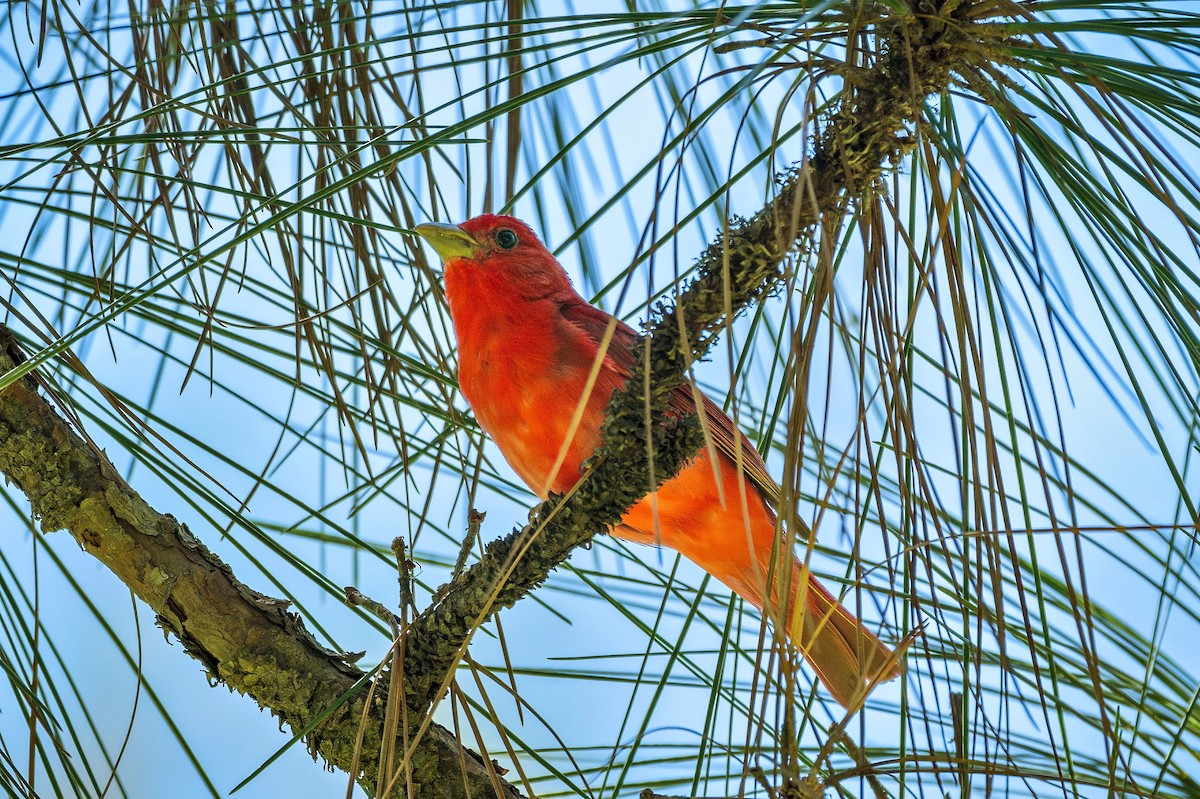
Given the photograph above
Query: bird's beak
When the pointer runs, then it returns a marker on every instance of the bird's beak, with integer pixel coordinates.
(450, 241)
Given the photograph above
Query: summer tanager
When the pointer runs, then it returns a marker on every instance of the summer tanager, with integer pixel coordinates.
(538, 364)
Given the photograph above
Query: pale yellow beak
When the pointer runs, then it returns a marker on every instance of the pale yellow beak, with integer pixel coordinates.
(449, 241)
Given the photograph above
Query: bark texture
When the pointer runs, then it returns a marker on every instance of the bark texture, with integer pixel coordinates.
(247, 640)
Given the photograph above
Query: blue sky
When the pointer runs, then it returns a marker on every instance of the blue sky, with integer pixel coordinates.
(275, 444)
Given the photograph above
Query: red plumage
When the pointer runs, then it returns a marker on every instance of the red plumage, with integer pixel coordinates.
(532, 366)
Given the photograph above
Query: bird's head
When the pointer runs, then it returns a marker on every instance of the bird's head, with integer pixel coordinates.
(496, 252)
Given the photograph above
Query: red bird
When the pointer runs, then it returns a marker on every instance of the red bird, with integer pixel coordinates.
(538, 365)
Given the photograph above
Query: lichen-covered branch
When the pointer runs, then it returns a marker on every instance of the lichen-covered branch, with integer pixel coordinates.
(247, 640)
(919, 52)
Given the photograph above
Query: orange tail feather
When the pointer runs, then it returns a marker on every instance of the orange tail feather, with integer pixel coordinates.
(847, 657)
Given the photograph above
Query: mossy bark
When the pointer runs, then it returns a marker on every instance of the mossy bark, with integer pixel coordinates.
(248, 641)
(920, 52)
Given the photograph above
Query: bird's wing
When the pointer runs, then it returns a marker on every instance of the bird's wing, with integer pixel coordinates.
(718, 428)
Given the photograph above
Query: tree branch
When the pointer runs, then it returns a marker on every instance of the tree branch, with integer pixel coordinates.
(247, 640)
(919, 52)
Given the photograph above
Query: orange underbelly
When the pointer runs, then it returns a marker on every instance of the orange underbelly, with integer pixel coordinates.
(716, 520)
(530, 428)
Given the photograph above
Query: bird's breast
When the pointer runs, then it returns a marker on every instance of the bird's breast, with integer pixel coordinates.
(533, 398)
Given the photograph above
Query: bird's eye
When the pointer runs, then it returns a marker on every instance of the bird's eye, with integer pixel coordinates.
(506, 239)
